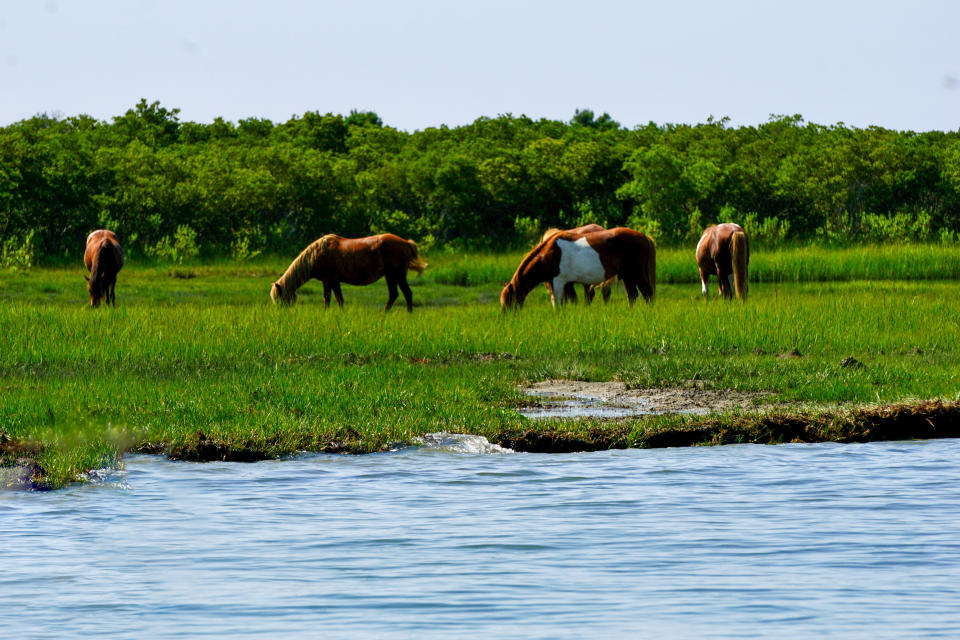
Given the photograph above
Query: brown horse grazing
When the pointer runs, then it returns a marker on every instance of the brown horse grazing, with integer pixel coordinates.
(359, 261)
(103, 258)
(589, 290)
(591, 258)
(722, 251)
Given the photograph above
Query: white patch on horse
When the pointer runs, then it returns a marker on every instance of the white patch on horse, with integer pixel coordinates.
(579, 262)
(703, 284)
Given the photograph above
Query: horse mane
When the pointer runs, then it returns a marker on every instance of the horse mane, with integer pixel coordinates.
(95, 267)
(549, 232)
(301, 268)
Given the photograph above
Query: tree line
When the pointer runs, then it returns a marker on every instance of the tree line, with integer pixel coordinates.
(175, 188)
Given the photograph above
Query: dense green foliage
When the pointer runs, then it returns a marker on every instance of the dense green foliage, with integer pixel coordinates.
(172, 189)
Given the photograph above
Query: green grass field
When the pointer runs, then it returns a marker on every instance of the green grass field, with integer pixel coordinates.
(197, 360)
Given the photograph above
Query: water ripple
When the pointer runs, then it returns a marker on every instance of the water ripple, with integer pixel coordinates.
(801, 541)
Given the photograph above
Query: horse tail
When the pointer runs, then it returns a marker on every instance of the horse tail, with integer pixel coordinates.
(118, 256)
(740, 254)
(652, 266)
(416, 263)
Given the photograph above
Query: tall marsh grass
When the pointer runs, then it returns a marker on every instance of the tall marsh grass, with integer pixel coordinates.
(180, 361)
(791, 264)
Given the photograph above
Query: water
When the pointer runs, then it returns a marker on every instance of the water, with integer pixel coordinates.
(799, 541)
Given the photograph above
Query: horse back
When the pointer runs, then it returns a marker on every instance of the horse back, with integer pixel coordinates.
(364, 260)
(714, 247)
(103, 249)
(620, 249)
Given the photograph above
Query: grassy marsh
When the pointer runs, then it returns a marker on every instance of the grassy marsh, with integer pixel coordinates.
(196, 362)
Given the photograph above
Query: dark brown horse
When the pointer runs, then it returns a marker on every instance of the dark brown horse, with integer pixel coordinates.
(590, 258)
(723, 251)
(103, 258)
(358, 261)
(589, 290)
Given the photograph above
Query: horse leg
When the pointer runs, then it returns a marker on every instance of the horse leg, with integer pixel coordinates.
(327, 289)
(631, 288)
(405, 289)
(337, 293)
(704, 289)
(559, 284)
(645, 289)
(588, 293)
(392, 292)
(605, 291)
(726, 291)
(569, 293)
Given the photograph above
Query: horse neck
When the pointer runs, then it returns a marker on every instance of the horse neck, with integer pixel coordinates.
(300, 270)
(528, 276)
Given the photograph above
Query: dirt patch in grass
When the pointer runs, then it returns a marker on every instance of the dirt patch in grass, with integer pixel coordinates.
(578, 399)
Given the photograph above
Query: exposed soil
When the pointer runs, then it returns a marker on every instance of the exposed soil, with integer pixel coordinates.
(574, 398)
(18, 469)
(922, 421)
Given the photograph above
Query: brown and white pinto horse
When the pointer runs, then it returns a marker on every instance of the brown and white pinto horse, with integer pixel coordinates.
(358, 261)
(103, 258)
(589, 290)
(590, 258)
(723, 250)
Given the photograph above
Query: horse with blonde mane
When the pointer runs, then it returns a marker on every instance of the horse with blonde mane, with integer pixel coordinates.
(723, 250)
(590, 258)
(357, 261)
(589, 290)
(103, 258)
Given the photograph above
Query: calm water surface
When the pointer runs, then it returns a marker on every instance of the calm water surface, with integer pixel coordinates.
(826, 541)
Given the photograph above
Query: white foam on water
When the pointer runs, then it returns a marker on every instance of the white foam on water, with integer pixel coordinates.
(460, 443)
(106, 476)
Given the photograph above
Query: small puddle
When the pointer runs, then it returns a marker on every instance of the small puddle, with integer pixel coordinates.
(576, 399)
(579, 409)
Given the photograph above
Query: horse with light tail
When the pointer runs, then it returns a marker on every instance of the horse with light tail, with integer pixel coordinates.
(723, 251)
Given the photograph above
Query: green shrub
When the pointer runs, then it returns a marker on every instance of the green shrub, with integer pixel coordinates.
(18, 254)
(183, 246)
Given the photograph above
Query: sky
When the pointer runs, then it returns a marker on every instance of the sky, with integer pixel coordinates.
(426, 63)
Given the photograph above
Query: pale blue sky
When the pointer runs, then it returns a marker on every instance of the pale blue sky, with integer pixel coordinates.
(426, 63)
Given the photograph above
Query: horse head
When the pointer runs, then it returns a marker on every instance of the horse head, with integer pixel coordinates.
(508, 297)
(96, 290)
(280, 295)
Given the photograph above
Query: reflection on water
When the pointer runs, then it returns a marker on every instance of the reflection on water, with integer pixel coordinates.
(568, 399)
(577, 408)
(441, 540)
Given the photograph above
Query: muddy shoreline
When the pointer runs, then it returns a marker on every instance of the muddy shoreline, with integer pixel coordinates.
(920, 421)
(926, 420)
